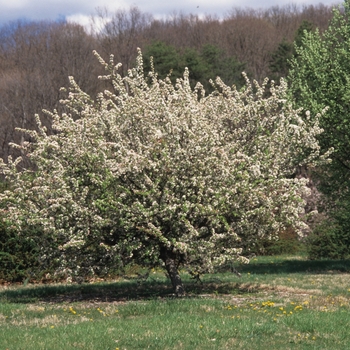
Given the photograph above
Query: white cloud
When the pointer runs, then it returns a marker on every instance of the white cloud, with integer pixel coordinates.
(88, 22)
(14, 4)
(80, 18)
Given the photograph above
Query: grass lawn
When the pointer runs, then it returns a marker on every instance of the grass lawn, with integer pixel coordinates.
(277, 303)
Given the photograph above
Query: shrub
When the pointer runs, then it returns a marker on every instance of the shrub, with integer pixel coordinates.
(18, 255)
(328, 241)
(286, 242)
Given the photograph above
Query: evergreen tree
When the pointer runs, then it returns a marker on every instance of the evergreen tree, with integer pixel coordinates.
(205, 65)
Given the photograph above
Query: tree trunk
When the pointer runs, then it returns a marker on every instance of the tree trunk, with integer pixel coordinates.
(171, 266)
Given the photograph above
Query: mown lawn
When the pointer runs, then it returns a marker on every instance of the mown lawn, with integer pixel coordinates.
(277, 303)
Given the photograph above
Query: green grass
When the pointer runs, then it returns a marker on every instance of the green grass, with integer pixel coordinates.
(278, 303)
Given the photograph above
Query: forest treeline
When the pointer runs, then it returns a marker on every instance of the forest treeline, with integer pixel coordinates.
(36, 58)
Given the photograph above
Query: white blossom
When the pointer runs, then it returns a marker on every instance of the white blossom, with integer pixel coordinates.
(149, 166)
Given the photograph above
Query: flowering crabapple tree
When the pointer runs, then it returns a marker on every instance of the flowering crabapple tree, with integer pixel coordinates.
(162, 173)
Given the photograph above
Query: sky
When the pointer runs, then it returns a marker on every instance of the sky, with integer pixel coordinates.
(81, 10)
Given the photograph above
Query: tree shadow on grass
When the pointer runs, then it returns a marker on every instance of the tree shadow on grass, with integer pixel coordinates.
(297, 266)
(127, 290)
(118, 291)
(91, 292)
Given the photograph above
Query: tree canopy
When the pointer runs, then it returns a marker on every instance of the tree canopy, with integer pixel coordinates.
(319, 78)
(162, 173)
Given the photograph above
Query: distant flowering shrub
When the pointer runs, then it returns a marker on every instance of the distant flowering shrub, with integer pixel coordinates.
(163, 173)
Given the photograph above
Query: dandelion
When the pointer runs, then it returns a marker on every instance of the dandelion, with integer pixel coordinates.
(268, 303)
